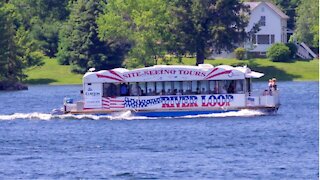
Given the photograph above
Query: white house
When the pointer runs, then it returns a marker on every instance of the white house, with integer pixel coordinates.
(273, 27)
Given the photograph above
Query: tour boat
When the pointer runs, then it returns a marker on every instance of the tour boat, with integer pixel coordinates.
(172, 90)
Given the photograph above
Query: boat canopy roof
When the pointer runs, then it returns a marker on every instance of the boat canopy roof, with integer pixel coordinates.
(171, 73)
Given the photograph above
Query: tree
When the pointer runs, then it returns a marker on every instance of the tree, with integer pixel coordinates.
(201, 25)
(79, 43)
(142, 23)
(16, 51)
(42, 20)
(289, 8)
(307, 22)
(11, 65)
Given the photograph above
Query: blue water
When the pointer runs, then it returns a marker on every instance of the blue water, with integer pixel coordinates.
(243, 145)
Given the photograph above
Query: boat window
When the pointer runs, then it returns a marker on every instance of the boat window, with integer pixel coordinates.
(168, 87)
(239, 86)
(186, 85)
(160, 88)
(135, 89)
(231, 86)
(213, 87)
(177, 88)
(151, 88)
(124, 89)
(222, 87)
(143, 88)
(194, 86)
(109, 90)
(204, 87)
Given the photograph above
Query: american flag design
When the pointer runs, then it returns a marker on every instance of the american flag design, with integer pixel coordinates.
(110, 103)
(140, 103)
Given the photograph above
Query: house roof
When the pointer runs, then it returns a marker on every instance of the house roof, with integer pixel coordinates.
(253, 5)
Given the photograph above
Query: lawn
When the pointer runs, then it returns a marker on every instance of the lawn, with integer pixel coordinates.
(53, 73)
(299, 70)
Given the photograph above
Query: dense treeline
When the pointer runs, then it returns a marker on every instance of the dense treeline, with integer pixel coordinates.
(131, 33)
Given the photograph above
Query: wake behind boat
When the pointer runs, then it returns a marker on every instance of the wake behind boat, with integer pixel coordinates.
(171, 90)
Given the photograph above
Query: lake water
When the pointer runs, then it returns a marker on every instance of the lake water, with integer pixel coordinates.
(242, 145)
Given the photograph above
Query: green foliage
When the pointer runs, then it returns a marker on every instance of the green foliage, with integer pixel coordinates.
(200, 25)
(240, 53)
(142, 23)
(11, 64)
(293, 49)
(308, 22)
(79, 44)
(279, 52)
(289, 8)
(42, 20)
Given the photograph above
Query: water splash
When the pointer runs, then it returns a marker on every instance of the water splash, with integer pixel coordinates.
(127, 115)
(241, 113)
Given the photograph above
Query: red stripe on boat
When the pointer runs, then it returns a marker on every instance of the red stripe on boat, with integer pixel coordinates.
(213, 70)
(109, 77)
(112, 72)
(218, 74)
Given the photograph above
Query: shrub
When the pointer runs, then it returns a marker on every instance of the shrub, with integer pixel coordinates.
(293, 49)
(279, 52)
(240, 53)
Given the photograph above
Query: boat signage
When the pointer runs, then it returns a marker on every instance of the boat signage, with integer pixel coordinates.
(92, 95)
(175, 101)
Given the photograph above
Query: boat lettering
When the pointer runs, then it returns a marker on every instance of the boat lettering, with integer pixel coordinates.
(220, 100)
(179, 101)
(93, 94)
(164, 72)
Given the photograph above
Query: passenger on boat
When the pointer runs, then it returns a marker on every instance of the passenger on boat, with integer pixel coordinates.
(223, 90)
(198, 91)
(112, 90)
(150, 93)
(274, 85)
(135, 90)
(169, 92)
(231, 88)
(270, 84)
(123, 89)
(203, 91)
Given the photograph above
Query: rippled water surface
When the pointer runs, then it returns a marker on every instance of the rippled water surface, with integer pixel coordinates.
(247, 144)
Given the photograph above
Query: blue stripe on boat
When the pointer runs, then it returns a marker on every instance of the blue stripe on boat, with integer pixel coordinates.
(178, 113)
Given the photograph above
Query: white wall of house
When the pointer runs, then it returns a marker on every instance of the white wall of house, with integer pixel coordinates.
(275, 28)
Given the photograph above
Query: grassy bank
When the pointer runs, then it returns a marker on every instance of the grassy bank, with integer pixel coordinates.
(294, 71)
(53, 73)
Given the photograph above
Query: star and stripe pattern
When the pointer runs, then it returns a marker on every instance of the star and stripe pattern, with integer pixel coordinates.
(110, 103)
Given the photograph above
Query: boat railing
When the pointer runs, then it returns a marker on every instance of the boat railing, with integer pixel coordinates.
(263, 98)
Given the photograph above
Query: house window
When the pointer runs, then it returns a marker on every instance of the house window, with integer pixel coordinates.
(262, 21)
(272, 39)
(263, 39)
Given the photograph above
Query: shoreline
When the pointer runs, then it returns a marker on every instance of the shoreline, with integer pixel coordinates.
(51, 73)
(255, 80)
(12, 86)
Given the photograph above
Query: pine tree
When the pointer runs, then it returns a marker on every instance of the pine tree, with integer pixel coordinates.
(11, 64)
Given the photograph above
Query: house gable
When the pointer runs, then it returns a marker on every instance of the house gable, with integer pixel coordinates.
(273, 25)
